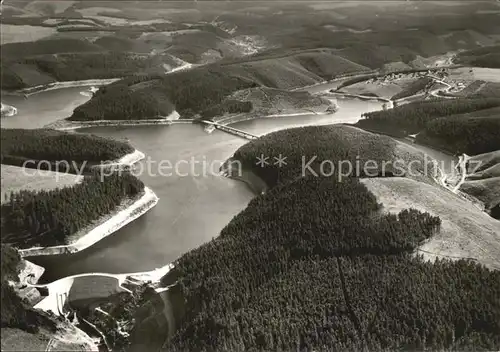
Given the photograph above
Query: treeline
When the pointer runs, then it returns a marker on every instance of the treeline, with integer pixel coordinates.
(48, 218)
(21, 145)
(338, 150)
(414, 117)
(15, 313)
(314, 265)
(473, 135)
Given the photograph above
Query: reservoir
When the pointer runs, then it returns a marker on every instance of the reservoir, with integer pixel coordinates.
(195, 203)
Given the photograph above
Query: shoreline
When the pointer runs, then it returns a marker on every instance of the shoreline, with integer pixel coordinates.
(67, 125)
(254, 182)
(64, 84)
(236, 119)
(128, 160)
(102, 230)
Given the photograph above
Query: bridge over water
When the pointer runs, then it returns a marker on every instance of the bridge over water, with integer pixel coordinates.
(231, 130)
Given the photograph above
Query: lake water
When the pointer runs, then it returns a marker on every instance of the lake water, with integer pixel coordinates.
(43, 108)
(194, 206)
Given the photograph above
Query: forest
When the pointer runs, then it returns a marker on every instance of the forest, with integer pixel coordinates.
(470, 135)
(413, 117)
(48, 218)
(338, 276)
(189, 92)
(20, 145)
(414, 88)
(353, 148)
(123, 104)
(342, 275)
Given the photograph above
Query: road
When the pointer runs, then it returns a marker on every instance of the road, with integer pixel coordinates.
(445, 180)
(435, 92)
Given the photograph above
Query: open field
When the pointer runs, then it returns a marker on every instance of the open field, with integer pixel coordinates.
(475, 74)
(16, 178)
(379, 88)
(466, 231)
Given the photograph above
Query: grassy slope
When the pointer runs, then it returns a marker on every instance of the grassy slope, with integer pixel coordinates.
(466, 231)
(16, 178)
(270, 101)
(470, 135)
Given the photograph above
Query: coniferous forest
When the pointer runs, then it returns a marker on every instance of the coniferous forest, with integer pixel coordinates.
(464, 125)
(342, 149)
(470, 135)
(314, 265)
(47, 218)
(413, 117)
(20, 145)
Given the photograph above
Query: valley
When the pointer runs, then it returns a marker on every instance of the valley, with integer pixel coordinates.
(172, 251)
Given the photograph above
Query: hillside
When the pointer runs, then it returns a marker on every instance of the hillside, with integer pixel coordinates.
(483, 180)
(317, 264)
(20, 146)
(55, 217)
(481, 162)
(22, 326)
(486, 190)
(264, 101)
(193, 91)
(465, 232)
(311, 149)
(43, 69)
(15, 178)
(470, 135)
(488, 56)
